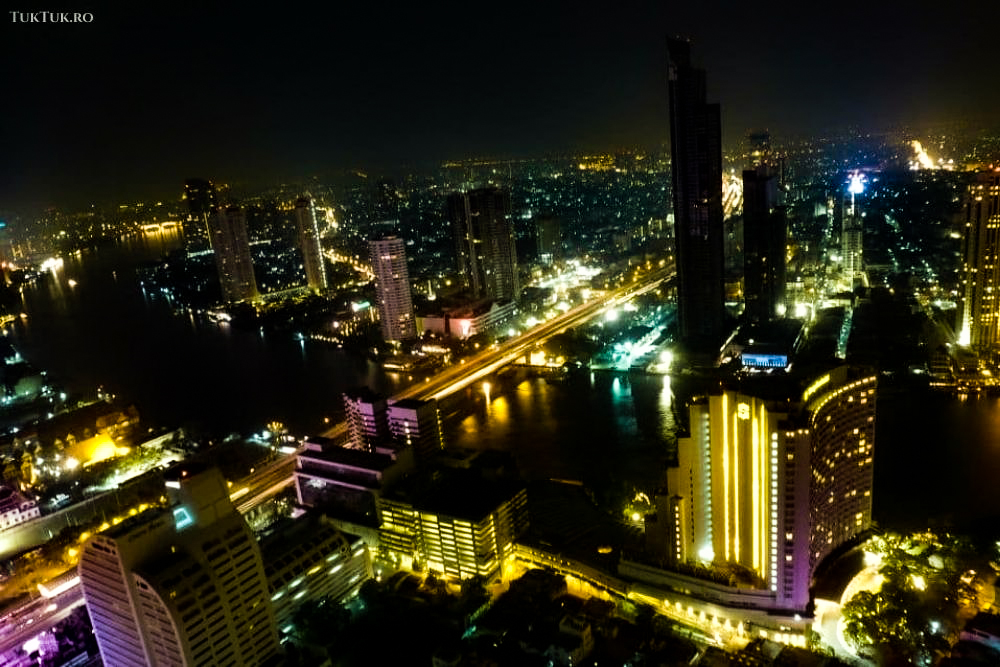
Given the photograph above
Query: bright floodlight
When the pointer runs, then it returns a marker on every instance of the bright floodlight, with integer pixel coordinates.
(706, 553)
(856, 187)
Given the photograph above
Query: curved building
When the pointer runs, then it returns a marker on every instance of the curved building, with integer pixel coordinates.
(842, 424)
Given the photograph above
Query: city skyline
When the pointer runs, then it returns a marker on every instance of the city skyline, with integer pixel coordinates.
(138, 111)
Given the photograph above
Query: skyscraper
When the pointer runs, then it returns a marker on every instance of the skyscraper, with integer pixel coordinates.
(228, 232)
(484, 243)
(180, 586)
(763, 245)
(201, 200)
(696, 152)
(981, 305)
(392, 286)
(312, 251)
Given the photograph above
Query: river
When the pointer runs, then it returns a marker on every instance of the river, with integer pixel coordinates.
(937, 458)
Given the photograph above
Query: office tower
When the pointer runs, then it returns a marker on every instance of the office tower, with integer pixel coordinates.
(841, 411)
(392, 287)
(763, 245)
(549, 239)
(201, 200)
(696, 152)
(740, 495)
(228, 232)
(312, 251)
(981, 305)
(484, 243)
(415, 423)
(183, 585)
(367, 421)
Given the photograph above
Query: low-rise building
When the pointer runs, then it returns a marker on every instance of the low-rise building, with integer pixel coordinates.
(309, 559)
(16, 508)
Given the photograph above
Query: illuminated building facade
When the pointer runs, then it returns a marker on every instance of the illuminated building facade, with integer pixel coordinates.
(201, 200)
(228, 233)
(981, 306)
(457, 529)
(740, 495)
(392, 285)
(417, 424)
(764, 231)
(696, 152)
(310, 560)
(484, 243)
(309, 242)
(180, 586)
(842, 423)
(770, 490)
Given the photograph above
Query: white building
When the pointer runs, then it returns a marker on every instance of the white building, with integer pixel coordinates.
(392, 285)
(15, 508)
(180, 586)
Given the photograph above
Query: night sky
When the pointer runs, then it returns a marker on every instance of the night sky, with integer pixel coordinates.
(149, 93)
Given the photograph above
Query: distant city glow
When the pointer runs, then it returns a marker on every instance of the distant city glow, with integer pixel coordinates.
(857, 185)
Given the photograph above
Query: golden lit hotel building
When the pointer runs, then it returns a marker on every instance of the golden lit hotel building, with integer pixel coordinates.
(740, 494)
(769, 489)
(981, 306)
(842, 423)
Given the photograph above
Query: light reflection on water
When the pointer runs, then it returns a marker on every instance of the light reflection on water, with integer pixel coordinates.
(607, 430)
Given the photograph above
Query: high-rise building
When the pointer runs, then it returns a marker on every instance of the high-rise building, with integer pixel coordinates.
(549, 239)
(392, 286)
(484, 243)
(231, 245)
(183, 585)
(764, 230)
(841, 411)
(981, 305)
(696, 152)
(201, 199)
(312, 251)
(415, 423)
(740, 495)
(772, 488)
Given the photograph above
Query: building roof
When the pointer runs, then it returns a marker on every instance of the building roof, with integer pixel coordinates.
(458, 493)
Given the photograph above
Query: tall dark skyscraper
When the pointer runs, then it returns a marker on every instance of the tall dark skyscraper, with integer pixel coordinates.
(696, 152)
(231, 245)
(201, 200)
(763, 245)
(484, 243)
(549, 239)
